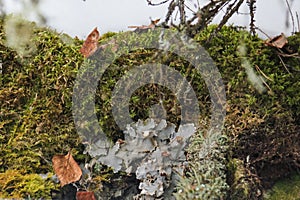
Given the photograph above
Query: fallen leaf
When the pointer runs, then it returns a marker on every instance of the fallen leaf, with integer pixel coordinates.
(90, 45)
(85, 195)
(155, 21)
(66, 169)
(278, 41)
(151, 25)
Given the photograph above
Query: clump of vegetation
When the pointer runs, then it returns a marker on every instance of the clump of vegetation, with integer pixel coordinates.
(35, 97)
(15, 184)
(287, 188)
(260, 124)
(206, 178)
(257, 145)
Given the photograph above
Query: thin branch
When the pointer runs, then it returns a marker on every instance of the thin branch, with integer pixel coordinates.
(291, 14)
(252, 8)
(242, 13)
(284, 65)
(156, 4)
(263, 32)
(171, 9)
(230, 11)
(207, 13)
(198, 4)
(232, 8)
(298, 22)
(189, 9)
(260, 71)
(182, 12)
(203, 16)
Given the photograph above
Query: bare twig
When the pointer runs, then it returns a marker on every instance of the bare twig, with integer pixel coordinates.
(294, 55)
(230, 11)
(291, 14)
(203, 15)
(198, 4)
(263, 32)
(171, 9)
(298, 22)
(252, 8)
(232, 8)
(182, 12)
(190, 9)
(284, 65)
(260, 71)
(156, 4)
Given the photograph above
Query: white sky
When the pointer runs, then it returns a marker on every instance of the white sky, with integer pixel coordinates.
(78, 17)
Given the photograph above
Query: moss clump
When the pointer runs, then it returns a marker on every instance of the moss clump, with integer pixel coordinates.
(288, 188)
(36, 97)
(14, 184)
(35, 117)
(261, 124)
(240, 185)
(148, 95)
(206, 177)
(244, 185)
(35, 102)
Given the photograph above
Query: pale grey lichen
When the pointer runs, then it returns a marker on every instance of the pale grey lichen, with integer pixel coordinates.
(152, 150)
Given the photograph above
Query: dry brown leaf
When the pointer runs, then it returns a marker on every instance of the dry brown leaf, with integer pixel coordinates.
(66, 169)
(85, 195)
(278, 41)
(155, 21)
(90, 45)
(151, 25)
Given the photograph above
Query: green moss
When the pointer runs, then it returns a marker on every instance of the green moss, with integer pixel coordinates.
(14, 184)
(35, 102)
(36, 89)
(107, 35)
(288, 188)
(240, 187)
(255, 118)
(35, 98)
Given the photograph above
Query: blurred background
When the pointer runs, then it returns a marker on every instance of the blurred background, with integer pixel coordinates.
(79, 17)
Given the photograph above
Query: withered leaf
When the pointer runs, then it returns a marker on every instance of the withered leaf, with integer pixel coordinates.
(85, 195)
(278, 41)
(151, 25)
(155, 21)
(66, 169)
(90, 45)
